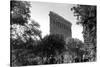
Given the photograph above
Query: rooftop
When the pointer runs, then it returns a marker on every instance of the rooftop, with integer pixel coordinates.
(55, 14)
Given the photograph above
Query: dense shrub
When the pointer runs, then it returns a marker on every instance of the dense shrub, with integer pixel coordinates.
(76, 49)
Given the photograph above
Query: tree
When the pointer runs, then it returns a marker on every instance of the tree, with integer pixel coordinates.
(32, 29)
(51, 47)
(21, 30)
(23, 35)
(86, 16)
(76, 49)
(27, 34)
(19, 12)
(23, 39)
(47, 51)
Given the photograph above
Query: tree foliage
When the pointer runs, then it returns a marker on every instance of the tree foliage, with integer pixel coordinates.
(24, 33)
(19, 12)
(76, 49)
(51, 47)
(20, 35)
(21, 30)
(86, 16)
(53, 43)
(49, 50)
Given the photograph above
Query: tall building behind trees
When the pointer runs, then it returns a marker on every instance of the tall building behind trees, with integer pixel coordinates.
(58, 25)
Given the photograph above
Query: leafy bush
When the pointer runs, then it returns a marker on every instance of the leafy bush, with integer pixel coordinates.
(76, 49)
(50, 47)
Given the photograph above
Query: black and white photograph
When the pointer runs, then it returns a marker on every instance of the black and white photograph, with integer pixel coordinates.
(47, 33)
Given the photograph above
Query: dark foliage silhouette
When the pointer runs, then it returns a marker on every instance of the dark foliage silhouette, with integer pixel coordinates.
(50, 47)
(19, 12)
(86, 16)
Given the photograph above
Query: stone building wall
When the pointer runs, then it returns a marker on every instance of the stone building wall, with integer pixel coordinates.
(58, 25)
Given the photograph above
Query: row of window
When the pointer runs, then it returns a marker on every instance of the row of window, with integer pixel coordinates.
(60, 25)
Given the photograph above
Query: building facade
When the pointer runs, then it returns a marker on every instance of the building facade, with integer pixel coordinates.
(58, 25)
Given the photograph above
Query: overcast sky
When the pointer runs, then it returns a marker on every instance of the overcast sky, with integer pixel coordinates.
(40, 13)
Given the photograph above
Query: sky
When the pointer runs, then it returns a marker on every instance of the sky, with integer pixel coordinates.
(40, 14)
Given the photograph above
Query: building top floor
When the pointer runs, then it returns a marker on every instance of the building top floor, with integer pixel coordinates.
(59, 19)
